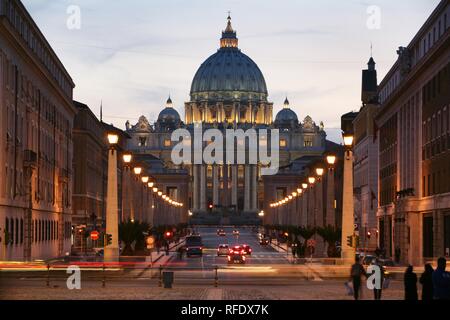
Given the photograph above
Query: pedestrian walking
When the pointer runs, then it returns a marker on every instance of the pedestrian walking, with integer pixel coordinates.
(441, 281)
(410, 283)
(357, 271)
(426, 280)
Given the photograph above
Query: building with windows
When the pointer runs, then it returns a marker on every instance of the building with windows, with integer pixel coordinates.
(365, 165)
(36, 117)
(228, 92)
(414, 146)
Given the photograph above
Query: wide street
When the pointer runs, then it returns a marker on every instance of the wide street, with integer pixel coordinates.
(261, 255)
(266, 275)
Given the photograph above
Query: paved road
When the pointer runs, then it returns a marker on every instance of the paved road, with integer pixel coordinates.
(261, 255)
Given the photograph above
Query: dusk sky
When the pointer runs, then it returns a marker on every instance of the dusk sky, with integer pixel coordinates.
(132, 54)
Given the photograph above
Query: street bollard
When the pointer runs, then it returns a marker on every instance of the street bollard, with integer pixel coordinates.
(48, 275)
(104, 277)
(160, 276)
(216, 278)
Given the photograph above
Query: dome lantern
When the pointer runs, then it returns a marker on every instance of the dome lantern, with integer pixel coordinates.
(229, 39)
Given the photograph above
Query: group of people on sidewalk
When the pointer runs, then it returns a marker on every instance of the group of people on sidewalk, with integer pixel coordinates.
(435, 283)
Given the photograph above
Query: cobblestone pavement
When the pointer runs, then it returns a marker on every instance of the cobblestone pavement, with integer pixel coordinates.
(309, 290)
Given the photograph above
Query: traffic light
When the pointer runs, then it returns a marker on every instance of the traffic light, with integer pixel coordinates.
(168, 234)
(350, 241)
(356, 242)
(108, 239)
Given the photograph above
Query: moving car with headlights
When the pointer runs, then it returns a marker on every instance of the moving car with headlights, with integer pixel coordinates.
(221, 233)
(247, 249)
(236, 255)
(264, 241)
(235, 232)
(194, 246)
(223, 250)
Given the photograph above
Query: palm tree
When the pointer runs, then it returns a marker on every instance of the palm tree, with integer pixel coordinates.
(330, 235)
(307, 232)
(130, 232)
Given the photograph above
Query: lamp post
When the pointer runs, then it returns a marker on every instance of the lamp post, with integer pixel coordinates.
(136, 199)
(348, 252)
(111, 250)
(126, 185)
(144, 198)
(330, 219)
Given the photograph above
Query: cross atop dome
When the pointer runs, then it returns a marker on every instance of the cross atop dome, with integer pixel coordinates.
(229, 39)
(286, 103)
(169, 103)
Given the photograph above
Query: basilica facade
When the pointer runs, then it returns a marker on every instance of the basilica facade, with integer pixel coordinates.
(228, 92)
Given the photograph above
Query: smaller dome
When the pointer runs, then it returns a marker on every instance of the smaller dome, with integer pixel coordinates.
(169, 115)
(286, 115)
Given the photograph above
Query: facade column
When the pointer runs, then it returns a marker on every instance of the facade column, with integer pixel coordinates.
(215, 185)
(203, 188)
(254, 187)
(226, 179)
(247, 199)
(196, 184)
(234, 185)
(330, 219)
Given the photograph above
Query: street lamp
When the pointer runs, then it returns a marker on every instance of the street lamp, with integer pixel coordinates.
(127, 157)
(145, 179)
(311, 180)
(319, 172)
(331, 160)
(348, 140)
(137, 170)
(113, 139)
(304, 186)
(111, 250)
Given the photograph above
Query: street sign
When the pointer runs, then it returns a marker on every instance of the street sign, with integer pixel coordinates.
(95, 235)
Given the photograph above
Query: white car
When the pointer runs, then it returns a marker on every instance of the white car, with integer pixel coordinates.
(223, 250)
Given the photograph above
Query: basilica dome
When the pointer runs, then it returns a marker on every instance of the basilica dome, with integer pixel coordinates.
(229, 73)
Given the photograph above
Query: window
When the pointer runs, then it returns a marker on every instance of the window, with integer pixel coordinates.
(142, 141)
(167, 143)
(283, 143)
(308, 142)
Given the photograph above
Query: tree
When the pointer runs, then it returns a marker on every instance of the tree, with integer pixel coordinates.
(330, 235)
(130, 232)
(306, 232)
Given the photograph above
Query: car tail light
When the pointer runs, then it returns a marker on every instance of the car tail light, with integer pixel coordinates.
(229, 258)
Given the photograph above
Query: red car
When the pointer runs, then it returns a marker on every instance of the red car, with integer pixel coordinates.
(236, 255)
(247, 249)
